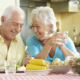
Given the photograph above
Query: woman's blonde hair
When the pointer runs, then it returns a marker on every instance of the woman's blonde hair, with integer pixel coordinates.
(45, 15)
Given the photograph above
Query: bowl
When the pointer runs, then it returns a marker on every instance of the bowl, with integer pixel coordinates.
(74, 63)
(59, 69)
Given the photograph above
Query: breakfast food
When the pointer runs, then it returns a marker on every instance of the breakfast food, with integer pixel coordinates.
(36, 64)
(65, 63)
(35, 67)
(37, 61)
(48, 63)
(57, 61)
(21, 68)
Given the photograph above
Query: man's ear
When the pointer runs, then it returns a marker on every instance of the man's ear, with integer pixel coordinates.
(2, 19)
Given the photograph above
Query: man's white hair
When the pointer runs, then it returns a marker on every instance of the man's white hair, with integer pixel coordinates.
(45, 15)
(9, 11)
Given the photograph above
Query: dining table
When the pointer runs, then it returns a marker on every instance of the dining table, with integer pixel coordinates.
(51, 76)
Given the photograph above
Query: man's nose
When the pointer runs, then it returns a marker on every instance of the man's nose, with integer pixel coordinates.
(18, 28)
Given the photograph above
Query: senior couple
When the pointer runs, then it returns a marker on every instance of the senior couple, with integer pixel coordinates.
(45, 44)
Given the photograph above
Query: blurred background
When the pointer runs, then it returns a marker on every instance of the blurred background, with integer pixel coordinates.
(67, 13)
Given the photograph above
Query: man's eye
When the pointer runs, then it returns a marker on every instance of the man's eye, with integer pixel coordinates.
(15, 24)
(21, 25)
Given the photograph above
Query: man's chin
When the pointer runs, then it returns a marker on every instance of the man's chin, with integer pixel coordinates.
(13, 37)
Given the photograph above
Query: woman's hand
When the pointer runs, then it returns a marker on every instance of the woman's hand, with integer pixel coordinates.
(26, 59)
(44, 40)
(56, 40)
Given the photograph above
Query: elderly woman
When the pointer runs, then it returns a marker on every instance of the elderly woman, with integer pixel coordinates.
(46, 44)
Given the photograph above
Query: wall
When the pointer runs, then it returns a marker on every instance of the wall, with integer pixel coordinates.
(5, 3)
(58, 18)
(68, 21)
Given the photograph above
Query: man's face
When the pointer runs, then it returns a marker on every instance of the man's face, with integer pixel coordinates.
(12, 26)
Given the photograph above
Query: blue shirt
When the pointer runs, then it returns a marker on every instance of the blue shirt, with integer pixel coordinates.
(34, 47)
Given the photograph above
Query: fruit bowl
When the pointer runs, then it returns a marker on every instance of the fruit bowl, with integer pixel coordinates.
(59, 69)
(74, 63)
(58, 66)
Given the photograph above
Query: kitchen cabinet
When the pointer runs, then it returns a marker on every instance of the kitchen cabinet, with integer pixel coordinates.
(5, 3)
(67, 6)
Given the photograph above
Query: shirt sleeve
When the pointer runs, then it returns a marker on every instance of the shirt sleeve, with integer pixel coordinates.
(70, 45)
(33, 47)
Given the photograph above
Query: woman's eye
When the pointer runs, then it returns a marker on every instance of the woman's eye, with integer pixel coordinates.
(32, 26)
(38, 26)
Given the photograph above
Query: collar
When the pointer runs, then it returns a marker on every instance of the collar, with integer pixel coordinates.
(14, 40)
(1, 39)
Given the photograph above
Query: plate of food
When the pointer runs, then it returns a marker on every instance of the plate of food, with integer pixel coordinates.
(20, 69)
(37, 67)
(2, 70)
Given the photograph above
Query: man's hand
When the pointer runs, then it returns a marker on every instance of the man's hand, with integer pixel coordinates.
(26, 59)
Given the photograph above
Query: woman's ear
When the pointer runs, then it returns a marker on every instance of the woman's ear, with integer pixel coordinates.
(50, 27)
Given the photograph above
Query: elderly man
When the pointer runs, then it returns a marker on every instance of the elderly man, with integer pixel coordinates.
(11, 45)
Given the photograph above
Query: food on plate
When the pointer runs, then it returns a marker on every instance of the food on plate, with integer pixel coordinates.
(37, 61)
(17, 67)
(21, 68)
(35, 67)
(57, 61)
(61, 63)
(48, 63)
(36, 64)
(65, 63)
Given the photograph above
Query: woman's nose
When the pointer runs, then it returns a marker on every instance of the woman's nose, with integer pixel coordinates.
(34, 29)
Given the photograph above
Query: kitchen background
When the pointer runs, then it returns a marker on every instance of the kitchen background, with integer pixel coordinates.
(67, 13)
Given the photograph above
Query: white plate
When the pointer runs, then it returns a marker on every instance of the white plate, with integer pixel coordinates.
(37, 72)
(20, 71)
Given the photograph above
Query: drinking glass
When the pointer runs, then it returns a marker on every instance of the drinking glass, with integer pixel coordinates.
(65, 34)
(10, 67)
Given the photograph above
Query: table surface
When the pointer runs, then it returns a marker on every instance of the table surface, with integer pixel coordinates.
(23, 76)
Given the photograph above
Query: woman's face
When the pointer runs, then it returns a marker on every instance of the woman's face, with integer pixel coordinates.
(40, 30)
